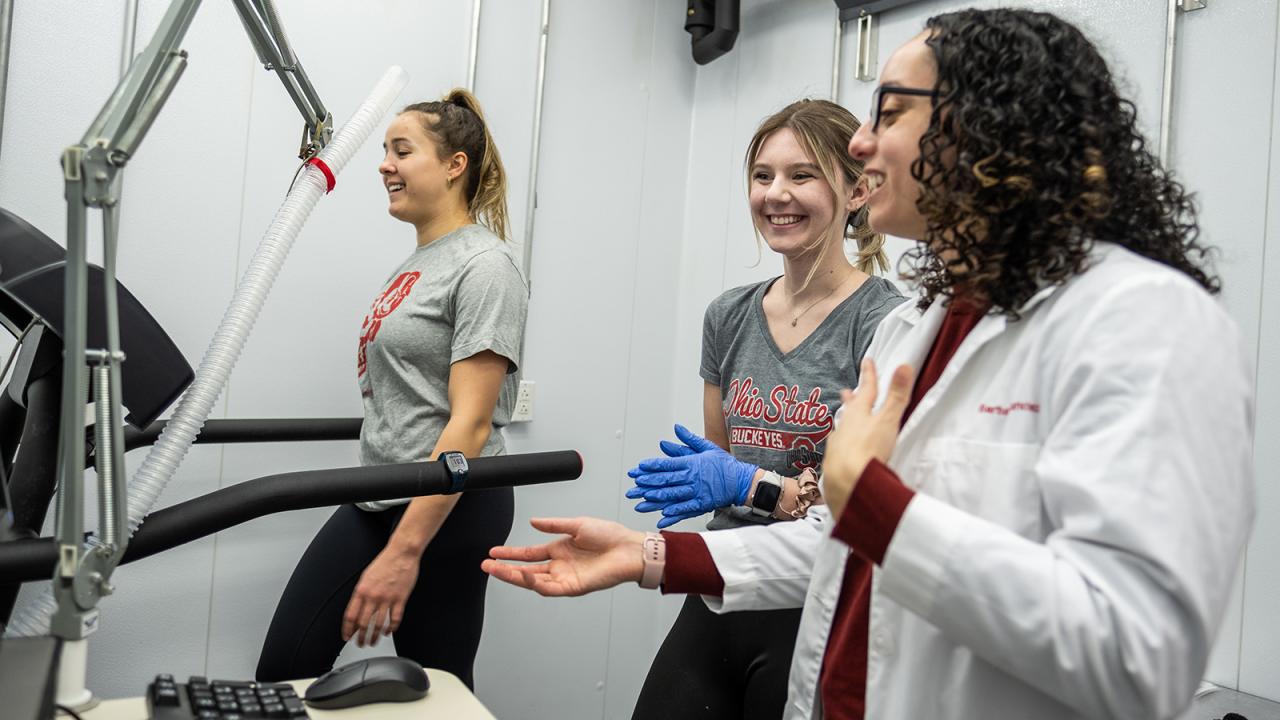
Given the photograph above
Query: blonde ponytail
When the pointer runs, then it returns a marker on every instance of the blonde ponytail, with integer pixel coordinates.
(457, 125)
(487, 184)
(871, 256)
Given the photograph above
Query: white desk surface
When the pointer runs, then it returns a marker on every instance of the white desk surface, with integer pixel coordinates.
(447, 699)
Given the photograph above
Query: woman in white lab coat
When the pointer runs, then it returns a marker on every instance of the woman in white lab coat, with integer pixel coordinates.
(1038, 509)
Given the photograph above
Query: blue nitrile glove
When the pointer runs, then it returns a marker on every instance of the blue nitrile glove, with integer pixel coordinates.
(695, 477)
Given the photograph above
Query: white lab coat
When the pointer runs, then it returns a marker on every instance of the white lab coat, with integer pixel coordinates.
(1085, 487)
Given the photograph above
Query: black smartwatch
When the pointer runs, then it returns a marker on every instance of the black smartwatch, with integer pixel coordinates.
(455, 463)
(768, 492)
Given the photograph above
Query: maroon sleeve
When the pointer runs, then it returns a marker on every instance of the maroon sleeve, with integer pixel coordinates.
(871, 516)
(690, 569)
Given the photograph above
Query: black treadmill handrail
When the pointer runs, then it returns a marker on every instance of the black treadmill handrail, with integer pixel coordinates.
(238, 430)
(257, 430)
(26, 560)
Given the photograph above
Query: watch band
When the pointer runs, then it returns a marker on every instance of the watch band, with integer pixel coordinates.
(455, 465)
(654, 556)
(764, 499)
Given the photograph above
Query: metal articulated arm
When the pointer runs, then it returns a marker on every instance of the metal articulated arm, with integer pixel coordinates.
(91, 170)
(272, 45)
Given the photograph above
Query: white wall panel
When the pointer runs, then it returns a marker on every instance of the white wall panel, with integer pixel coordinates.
(640, 617)
(506, 85)
(60, 73)
(51, 97)
(1260, 626)
(614, 112)
(715, 193)
(1224, 70)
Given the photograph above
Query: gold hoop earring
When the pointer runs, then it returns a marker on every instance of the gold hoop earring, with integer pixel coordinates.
(448, 182)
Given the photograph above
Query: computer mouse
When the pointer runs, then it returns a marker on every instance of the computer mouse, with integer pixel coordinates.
(380, 679)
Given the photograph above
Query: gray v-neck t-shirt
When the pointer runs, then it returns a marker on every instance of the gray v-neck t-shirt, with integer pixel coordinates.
(779, 407)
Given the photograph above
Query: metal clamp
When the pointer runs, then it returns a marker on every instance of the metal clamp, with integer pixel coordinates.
(99, 358)
(266, 33)
(868, 35)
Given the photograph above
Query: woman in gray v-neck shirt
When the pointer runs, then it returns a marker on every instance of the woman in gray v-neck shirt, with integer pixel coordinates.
(775, 356)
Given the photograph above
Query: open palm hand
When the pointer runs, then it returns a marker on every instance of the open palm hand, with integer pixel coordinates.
(594, 555)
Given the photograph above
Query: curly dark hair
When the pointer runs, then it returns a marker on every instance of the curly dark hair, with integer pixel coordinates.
(1031, 156)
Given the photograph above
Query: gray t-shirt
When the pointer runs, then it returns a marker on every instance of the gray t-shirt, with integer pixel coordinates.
(779, 408)
(452, 298)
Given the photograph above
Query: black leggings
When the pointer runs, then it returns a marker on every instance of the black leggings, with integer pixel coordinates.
(722, 667)
(443, 616)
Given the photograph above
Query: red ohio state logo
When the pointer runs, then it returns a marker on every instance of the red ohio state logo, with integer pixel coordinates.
(781, 405)
(386, 304)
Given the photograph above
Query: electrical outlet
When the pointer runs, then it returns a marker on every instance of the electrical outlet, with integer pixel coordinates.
(523, 411)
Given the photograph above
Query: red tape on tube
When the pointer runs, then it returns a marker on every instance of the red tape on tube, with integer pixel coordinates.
(329, 179)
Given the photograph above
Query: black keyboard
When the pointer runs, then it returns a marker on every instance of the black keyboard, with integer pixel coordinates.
(200, 699)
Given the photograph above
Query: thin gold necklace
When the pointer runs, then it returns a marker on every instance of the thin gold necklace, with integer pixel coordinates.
(796, 319)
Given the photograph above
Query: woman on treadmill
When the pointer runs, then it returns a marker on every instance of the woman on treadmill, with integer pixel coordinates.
(435, 365)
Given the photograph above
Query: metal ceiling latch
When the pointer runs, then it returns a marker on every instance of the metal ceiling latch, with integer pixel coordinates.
(864, 67)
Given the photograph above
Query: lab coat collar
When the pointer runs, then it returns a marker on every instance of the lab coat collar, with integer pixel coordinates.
(924, 332)
(987, 328)
(1041, 295)
(924, 327)
(922, 341)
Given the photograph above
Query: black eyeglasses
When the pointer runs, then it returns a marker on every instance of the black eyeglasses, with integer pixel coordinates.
(877, 99)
